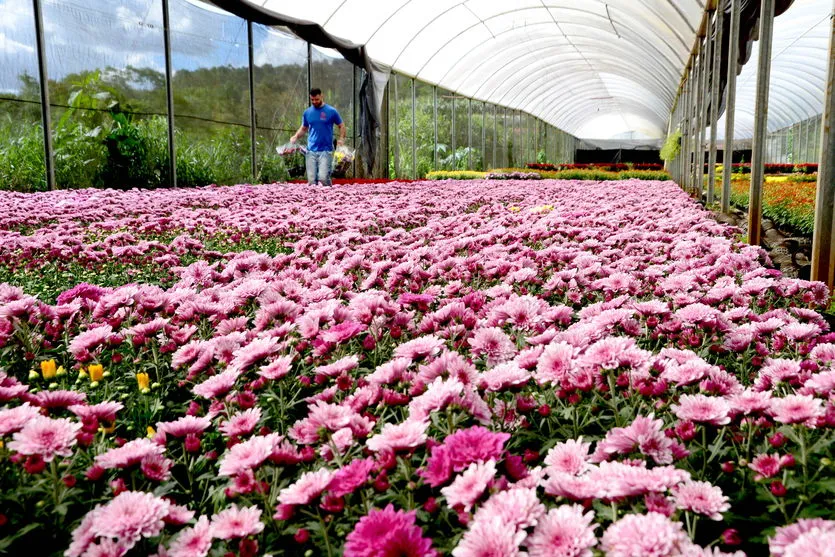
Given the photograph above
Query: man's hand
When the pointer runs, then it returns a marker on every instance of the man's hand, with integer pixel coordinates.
(293, 139)
(340, 141)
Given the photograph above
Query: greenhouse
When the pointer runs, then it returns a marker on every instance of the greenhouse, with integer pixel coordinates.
(417, 278)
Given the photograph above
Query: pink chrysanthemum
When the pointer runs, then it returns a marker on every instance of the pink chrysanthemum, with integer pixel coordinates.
(649, 535)
(788, 535)
(242, 423)
(236, 522)
(504, 376)
(750, 402)
(130, 516)
(702, 498)
(276, 369)
(554, 364)
(437, 396)
(395, 437)
(473, 444)
(256, 351)
(338, 367)
(421, 347)
(351, 476)
(570, 456)
(493, 344)
(89, 340)
(156, 467)
(13, 419)
(388, 532)
(248, 454)
(342, 332)
(216, 385)
(101, 411)
(644, 434)
(193, 542)
(187, 425)
(59, 399)
(814, 543)
(564, 532)
(793, 409)
(45, 437)
(466, 489)
(702, 409)
(307, 488)
(129, 454)
(766, 465)
(518, 508)
(490, 537)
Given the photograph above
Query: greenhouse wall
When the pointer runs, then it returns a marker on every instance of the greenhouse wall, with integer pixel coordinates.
(238, 93)
(431, 128)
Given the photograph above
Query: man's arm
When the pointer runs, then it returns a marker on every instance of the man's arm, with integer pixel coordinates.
(300, 132)
(342, 131)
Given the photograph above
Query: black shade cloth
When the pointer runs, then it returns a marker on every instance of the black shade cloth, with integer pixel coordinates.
(371, 91)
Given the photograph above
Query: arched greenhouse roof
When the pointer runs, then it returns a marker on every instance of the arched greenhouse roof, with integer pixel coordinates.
(572, 64)
(595, 69)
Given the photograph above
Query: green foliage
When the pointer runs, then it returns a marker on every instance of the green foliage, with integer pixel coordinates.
(455, 175)
(22, 158)
(672, 146)
(659, 175)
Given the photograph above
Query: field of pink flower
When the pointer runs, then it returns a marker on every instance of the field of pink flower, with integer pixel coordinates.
(467, 368)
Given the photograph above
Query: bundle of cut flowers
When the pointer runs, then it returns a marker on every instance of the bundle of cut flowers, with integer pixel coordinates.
(466, 368)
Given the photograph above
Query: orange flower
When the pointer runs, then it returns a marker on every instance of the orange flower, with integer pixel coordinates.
(96, 371)
(143, 382)
(48, 369)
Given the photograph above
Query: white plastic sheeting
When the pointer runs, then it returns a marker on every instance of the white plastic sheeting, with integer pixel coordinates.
(593, 68)
(798, 71)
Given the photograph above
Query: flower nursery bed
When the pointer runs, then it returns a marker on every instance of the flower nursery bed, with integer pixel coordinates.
(469, 368)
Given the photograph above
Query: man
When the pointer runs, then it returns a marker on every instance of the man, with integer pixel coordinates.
(319, 119)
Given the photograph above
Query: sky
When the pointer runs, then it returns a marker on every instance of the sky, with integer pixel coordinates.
(89, 34)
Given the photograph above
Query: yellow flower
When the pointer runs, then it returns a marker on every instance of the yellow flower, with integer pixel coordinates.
(48, 369)
(514, 209)
(95, 371)
(143, 381)
(543, 209)
(151, 432)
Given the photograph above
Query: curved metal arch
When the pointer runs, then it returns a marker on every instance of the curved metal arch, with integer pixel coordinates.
(531, 39)
(664, 97)
(550, 23)
(525, 45)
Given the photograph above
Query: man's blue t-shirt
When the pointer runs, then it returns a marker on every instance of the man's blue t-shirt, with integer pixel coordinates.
(320, 123)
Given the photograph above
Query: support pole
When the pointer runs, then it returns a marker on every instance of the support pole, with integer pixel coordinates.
(414, 131)
(469, 134)
(823, 238)
(395, 79)
(730, 107)
(169, 95)
(706, 59)
(252, 117)
(755, 197)
(714, 104)
(46, 116)
(435, 126)
(483, 135)
(698, 154)
(687, 127)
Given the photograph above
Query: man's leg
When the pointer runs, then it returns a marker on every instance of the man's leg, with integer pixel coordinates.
(325, 164)
(310, 166)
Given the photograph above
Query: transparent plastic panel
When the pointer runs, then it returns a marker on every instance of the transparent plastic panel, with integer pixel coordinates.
(478, 137)
(357, 21)
(400, 28)
(424, 127)
(425, 41)
(489, 136)
(211, 95)
(334, 75)
(444, 148)
(462, 123)
(401, 107)
(21, 131)
(280, 74)
(107, 90)
(798, 70)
